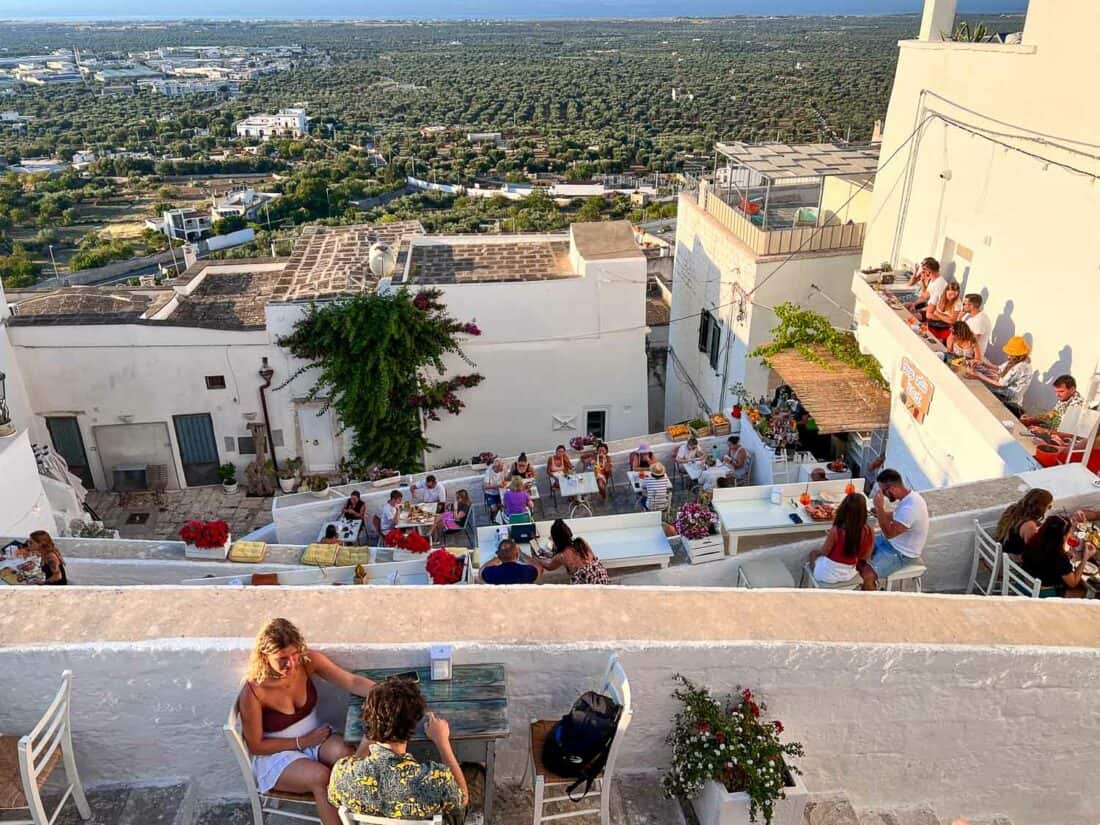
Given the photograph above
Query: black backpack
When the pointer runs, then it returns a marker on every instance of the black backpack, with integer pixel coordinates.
(579, 744)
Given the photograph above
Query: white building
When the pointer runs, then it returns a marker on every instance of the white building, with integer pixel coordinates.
(285, 123)
(244, 202)
(1006, 196)
(769, 230)
(186, 224)
(163, 382)
(171, 87)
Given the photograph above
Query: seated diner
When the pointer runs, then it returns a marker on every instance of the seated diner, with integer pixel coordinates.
(522, 467)
(509, 566)
(963, 343)
(943, 314)
(657, 489)
(736, 458)
(331, 536)
(688, 453)
(579, 561)
(291, 750)
(603, 469)
(643, 452)
(1046, 559)
(848, 543)
(1065, 390)
(383, 779)
(493, 483)
(453, 518)
(558, 464)
(391, 512)
(355, 507)
(902, 533)
(429, 490)
(1009, 381)
(1020, 521)
(516, 499)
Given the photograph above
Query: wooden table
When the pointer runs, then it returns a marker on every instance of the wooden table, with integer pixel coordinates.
(474, 703)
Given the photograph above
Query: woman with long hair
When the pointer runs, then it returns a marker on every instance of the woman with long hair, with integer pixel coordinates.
(291, 750)
(963, 343)
(849, 541)
(1020, 521)
(603, 468)
(1046, 559)
(522, 467)
(49, 557)
(579, 561)
(946, 311)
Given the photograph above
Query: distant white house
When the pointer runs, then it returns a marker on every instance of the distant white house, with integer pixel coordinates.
(185, 224)
(285, 123)
(245, 203)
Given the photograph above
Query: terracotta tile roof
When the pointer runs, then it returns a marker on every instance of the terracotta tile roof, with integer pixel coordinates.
(86, 305)
(333, 260)
(840, 397)
(518, 259)
(227, 300)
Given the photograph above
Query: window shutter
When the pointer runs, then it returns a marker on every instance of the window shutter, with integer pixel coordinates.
(704, 330)
(715, 343)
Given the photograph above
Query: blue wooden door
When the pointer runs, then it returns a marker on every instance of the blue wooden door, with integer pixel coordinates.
(198, 448)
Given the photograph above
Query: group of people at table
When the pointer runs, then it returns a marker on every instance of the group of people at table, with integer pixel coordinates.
(293, 752)
(36, 561)
(965, 329)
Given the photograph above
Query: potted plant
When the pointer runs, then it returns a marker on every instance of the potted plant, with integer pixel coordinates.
(700, 427)
(444, 567)
(318, 485)
(228, 475)
(738, 391)
(205, 539)
(727, 758)
(695, 524)
(288, 474)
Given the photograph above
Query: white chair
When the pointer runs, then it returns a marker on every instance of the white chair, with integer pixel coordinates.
(808, 580)
(262, 803)
(617, 686)
(914, 572)
(1017, 581)
(1082, 423)
(26, 762)
(987, 554)
(781, 468)
(348, 818)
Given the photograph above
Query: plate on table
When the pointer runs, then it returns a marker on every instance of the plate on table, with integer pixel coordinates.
(819, 511)
(1090, 569)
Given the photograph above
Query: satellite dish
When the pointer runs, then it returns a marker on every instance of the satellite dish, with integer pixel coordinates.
(381, 260)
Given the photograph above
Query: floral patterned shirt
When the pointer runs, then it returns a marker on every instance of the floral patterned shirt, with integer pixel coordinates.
(393, 785)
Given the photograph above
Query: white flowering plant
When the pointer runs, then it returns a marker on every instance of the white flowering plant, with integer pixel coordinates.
(728, 742)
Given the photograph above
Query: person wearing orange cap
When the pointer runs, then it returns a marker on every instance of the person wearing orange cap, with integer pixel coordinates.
(1013, 377)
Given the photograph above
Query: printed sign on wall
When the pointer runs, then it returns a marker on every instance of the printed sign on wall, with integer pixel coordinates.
(916, 390)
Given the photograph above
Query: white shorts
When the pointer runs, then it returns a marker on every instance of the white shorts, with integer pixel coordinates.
(267, 769)
(828, 571)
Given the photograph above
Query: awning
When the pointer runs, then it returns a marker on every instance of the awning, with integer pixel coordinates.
(840, 398)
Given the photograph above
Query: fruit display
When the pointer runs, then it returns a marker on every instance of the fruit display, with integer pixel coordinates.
(678, 432)
(719, 424)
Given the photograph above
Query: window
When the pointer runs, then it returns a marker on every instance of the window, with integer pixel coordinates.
(230, 444)
(595, 423)
(715, 343)
(215, 382)
(246, 445)
(277, 438)
(704, 330)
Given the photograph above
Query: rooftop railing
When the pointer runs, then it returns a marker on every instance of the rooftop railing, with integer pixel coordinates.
(802, 239)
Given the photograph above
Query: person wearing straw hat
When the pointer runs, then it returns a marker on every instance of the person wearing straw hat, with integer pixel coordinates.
(1013, 376)
(643, 453)
(657, 488)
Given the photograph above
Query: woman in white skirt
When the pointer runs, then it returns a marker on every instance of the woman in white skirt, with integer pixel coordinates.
(849, 542)
(291, 750)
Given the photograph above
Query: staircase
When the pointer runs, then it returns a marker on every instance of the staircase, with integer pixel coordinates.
(839, 811)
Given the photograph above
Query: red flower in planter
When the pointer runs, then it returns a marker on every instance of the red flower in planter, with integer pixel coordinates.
(205, 535)
(443, 567)
(755, 708)
(393, 538)
(416, 543)
(778, 726)
(702, 727)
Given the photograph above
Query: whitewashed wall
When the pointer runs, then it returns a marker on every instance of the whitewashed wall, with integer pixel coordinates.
(710, 261)
(24, 505)
(101, 372)
(1017, 229)
(971, 731)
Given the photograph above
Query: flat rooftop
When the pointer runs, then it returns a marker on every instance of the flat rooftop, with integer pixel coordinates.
(328, 261)
(473, 260)
(86, 305)
(228, 297)
(802, 160)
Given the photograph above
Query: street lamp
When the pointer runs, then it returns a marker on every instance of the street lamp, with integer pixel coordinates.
(6, 427)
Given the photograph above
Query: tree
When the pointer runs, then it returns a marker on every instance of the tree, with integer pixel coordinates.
(230, 223)
(379, 363)
(16, 271)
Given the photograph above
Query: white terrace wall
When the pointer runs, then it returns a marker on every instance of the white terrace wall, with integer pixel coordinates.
(972, 731)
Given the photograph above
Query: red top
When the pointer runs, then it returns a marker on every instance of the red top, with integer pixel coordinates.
(274, 721)
(838, 555)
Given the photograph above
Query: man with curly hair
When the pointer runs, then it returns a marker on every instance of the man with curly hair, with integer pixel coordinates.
(383, 778)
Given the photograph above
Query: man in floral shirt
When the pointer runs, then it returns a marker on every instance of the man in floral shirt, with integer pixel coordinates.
(383, 779)
(1065, 388)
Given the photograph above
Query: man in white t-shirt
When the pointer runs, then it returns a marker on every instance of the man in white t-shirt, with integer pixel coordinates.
(430, 491)
(934, 284)
(689, 452)
(978, 322)
(390, 512)
(902, 534)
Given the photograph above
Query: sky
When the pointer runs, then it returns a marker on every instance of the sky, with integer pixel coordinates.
(458, 9)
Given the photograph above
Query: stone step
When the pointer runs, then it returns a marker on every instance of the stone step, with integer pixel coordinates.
(830, 812)
(898, 816)
(129, 805)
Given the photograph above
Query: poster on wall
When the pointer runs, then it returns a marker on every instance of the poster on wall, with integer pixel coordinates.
(915, 390)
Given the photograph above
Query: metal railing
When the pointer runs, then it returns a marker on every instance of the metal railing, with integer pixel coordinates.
(779, 241)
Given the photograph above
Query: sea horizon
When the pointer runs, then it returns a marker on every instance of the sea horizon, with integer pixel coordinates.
(483, 11)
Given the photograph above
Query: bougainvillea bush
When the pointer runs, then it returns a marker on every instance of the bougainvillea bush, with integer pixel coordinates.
(412, 541)
(444, 567)
(379, 361)
(729, 742)
(206, 535)
(693, 521)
